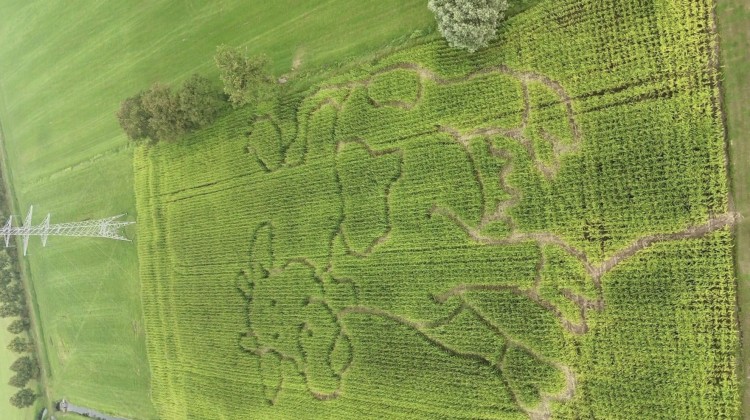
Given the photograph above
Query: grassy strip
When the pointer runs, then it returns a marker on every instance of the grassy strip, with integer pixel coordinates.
(35, 331)
(359, 210)
(734, 32)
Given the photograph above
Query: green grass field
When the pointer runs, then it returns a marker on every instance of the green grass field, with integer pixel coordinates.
(64, 69)
(542, 228)
(735, 45)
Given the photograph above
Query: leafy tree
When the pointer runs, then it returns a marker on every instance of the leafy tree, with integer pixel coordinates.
(6, 296)
(246, 79)
(468, 24)
(159, 114)
(133, 118)
(200, 102)
(166, 121)
(19, 380)
(26, 365)
(12, 292)
(20, 345)
(10, 309)
(19, 325)
(23, 398)
(6, 268)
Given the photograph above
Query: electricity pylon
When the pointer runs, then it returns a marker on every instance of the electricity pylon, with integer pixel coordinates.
(101, 228)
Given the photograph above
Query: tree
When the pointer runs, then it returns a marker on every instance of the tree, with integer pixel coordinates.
(12, 292)
(134, 118)
(200, 101)
(6, 295)
(246, 79)
(20, 345)
(468, 24)
(159, 114)
(166, 121)
(23, 398)
(25, 365)
(19, 380)
(10, 309)
(19, 325)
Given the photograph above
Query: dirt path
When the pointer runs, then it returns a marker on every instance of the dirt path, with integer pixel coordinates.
(36, 331)
(595, 271)
(523, 77)
(542, 411)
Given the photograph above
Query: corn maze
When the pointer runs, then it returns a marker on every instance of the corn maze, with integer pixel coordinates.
(538, 230)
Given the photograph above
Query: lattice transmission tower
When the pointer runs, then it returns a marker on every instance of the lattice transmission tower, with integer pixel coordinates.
(101, 228)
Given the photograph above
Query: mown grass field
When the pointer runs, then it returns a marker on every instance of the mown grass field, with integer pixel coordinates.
(64, 69)
(735, 58)
(542, 228)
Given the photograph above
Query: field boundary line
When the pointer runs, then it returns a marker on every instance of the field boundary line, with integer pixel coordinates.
(36, 330)
(733, 39)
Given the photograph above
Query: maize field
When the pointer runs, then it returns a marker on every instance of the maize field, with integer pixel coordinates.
(539, 229)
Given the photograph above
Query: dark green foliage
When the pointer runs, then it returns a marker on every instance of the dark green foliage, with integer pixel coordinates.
(160, 114)
(10, 309)
(13, 291)
(19, 380)
(133, 118)
(13, 298)
(246, 79)
(23, 398)
(166, 119)
(20, 345)
(200, 102)
(26, 365)
(17, 326)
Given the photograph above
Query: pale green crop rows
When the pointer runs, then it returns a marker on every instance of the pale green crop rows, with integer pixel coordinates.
(540, 228)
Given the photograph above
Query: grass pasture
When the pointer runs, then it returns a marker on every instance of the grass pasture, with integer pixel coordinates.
(735, 46)
(541, 228)
(64, 68)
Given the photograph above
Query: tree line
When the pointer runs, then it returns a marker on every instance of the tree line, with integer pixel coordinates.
(13, 305)
(161, 114)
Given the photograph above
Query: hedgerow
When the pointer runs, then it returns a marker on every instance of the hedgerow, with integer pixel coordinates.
(537, 229)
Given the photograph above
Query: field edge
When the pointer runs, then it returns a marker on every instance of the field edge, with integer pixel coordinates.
(36, 331)
(734, 37)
